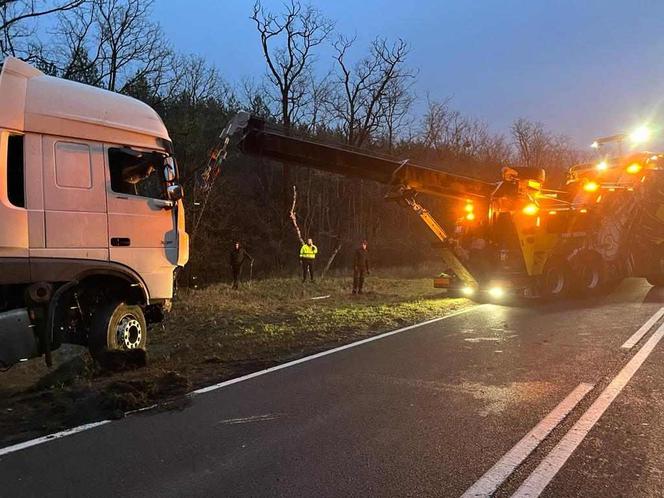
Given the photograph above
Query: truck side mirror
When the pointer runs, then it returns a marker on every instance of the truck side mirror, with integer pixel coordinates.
(169, 172)
(175, 192)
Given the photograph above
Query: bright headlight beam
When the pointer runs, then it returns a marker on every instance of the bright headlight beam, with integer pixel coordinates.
(467, 291)
(496, 292)
(640, 135)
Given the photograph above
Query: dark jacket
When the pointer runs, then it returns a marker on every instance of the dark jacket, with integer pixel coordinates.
(238, 256)
(361, 261)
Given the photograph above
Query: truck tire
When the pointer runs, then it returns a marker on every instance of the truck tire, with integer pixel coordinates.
(555, 281)
(589, 272)
(116, 327)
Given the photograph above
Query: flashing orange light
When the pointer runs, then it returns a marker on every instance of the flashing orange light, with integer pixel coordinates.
(531, 209)
(634, 168)
(584, 210)
(553, 213)
(469, 208)
(602, 166)
(599, 199)
(591, 187)
(470, 216)
(534, 184)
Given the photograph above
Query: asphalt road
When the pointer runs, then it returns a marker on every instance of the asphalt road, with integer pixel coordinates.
(425, 412)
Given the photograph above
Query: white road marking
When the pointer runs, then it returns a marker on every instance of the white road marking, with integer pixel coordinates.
(226, 383)
(496, 475)
(553, 462)
(50, 437)
(248, 420)
(638, 335)
(45, 439)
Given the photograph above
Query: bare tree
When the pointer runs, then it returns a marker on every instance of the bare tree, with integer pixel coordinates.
(116, 41)
(360, 103)
(288, 42)
(17, 24)
(395, 107)
(536, 147)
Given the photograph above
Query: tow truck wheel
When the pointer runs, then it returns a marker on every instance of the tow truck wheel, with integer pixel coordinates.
(117, 327)
(589, 274)
(555, 279)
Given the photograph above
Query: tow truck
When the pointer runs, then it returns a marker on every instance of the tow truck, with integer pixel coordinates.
(513, 236)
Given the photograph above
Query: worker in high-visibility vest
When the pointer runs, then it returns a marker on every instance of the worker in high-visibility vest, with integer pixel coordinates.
(308, 253)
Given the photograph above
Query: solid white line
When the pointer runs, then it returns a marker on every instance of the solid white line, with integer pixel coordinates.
(496, 475)
(326, 353)
(638, 335)
(50, 437)
(549, 467)
(33, 442)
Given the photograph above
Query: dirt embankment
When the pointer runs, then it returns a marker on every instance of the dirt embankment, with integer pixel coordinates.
(212, 334)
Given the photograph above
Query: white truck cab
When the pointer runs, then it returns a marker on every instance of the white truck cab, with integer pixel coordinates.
(91, 218)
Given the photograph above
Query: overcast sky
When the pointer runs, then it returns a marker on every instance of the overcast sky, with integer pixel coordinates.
(582, 67)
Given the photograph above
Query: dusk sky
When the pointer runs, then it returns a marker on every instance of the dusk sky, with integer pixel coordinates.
(582, 67)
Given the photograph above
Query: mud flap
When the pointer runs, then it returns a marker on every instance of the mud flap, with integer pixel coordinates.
(17, 340)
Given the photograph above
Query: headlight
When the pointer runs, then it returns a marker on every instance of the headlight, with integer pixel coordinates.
(497, 292)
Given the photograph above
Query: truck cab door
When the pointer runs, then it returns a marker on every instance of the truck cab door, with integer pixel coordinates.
(74, 200)
(142, 227)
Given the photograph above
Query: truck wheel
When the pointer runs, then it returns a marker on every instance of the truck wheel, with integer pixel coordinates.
(555, 279)
(117, 327)
(590, 277)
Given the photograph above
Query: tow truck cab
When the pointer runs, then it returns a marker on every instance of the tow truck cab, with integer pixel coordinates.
(91, 218)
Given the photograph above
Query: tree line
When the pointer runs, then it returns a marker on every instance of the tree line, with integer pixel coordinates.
(363, 97)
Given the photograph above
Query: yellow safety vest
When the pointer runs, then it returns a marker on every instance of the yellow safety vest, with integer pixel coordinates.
(308, 252)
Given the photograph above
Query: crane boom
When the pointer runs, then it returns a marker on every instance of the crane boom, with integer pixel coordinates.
(259, 138)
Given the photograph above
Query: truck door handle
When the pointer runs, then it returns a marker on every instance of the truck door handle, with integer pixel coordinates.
(121, 241)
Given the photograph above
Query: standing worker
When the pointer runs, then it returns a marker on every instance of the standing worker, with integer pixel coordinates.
(360, 267)
(308, 253)
(238, 255)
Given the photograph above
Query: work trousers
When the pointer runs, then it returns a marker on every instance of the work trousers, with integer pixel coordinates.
(307, 267)
(358, 279)
(237, 271)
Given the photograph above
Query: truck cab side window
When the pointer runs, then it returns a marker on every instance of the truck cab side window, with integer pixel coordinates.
(15, 171)
(135, 173)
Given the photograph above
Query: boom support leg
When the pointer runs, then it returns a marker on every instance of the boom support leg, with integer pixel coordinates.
(449, 258)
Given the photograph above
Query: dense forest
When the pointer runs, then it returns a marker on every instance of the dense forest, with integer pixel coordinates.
(366, 100)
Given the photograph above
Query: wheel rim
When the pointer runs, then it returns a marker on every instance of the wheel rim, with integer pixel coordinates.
(554, 281)
(589, 277)
(129, 332)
